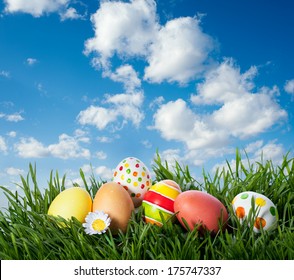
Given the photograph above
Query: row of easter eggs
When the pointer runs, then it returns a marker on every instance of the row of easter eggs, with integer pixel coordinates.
(131, 187)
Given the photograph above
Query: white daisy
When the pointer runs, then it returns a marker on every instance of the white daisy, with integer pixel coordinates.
(96, 222)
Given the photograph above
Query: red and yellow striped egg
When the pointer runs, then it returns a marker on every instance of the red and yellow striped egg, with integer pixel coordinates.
(159, 199)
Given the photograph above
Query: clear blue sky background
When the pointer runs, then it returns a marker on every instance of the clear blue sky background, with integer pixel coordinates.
(92, 82)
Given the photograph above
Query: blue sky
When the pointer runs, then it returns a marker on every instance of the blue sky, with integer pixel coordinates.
(88, 83)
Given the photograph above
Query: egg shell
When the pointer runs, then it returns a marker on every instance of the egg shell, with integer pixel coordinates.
(160, 200)
(266, 215)
(114, 200)
(135, 177)
(201, 209)
(72, 202)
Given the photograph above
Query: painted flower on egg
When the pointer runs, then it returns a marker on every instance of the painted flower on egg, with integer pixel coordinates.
(96, 222)
(265, 212)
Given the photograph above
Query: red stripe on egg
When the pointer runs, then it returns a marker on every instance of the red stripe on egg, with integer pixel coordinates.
(160, 200)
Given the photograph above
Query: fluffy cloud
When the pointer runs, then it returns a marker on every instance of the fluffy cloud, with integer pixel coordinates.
(126, 29)
(237, 112)
(179, 52)
(31, 61)
(12, 171)
(176, 121)
(16, 117)
(101, 155)
(34, 7)
(31, 148)
(67, 147)
(70, 13)
(67, 9)
(289, 86)
(104, 172)
(175, 52)
(4, 73)
(118, 108)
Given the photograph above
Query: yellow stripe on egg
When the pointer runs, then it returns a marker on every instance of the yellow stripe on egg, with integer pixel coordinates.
(166, 190)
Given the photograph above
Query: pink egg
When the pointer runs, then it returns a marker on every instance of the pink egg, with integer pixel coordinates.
(200, 208)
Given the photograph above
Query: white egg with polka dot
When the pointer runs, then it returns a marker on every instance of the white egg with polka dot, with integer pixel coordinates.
(261, 210)
(132, 174)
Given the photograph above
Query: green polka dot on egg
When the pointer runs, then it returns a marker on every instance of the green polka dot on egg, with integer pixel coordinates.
(244, 195)
(273, 211)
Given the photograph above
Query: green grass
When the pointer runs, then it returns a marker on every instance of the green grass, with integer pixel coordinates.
(26, 232)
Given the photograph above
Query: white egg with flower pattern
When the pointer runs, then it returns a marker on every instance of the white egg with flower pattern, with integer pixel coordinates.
(132, 174)
(264, 211)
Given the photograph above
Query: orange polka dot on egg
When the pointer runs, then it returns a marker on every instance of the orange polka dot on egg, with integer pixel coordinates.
(259, 222)
(240, 212)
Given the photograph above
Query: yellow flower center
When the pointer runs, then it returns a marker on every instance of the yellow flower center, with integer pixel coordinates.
(98, 225)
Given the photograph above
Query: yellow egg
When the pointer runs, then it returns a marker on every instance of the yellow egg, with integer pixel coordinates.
(115, 201)
(73, 202)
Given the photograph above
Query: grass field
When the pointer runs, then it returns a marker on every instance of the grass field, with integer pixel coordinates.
(26, 232)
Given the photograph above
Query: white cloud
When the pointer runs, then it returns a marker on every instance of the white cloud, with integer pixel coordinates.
(70, 13)
(12, 171)
(147, 144)
(3, 146)
(12, 134)
(4, 73)
(34, 7)
(171, 156)
(104, 172)
(175, 52)
(67, 147)
(16, 117)
(31, 61)
(176, 121)
(224, 83)
(31, 148)
(249, 115)
(156, 102)
(271, 151)
(238, 112)
(120, 108)
(289, 86)
(104, 139)
(127, 75)
(256, 152)
(97, 116)
(101, 155)
(252, 147)
(126, 29)
(87, 169)
(179, 52)
(38, 8)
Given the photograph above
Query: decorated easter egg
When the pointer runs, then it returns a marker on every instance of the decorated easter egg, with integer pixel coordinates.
(72, 202)
(257, 208)
(158, 202)
(200, 209)
(115, 201)
(134, 176)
